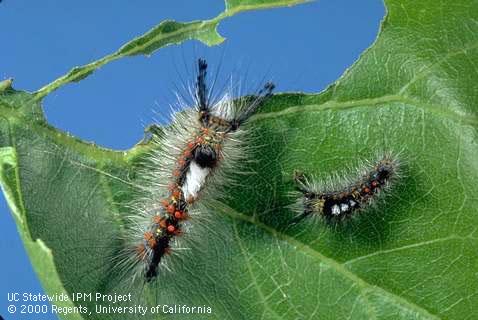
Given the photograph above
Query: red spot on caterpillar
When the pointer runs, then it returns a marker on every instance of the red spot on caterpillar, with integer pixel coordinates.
(374, 184)
(179, 215)
(171, 229)
(171, 208)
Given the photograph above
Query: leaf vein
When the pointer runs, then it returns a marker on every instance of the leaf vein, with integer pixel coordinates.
(340, 268)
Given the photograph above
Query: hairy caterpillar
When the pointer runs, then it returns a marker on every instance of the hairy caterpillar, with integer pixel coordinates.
(339, 200)
(191, 159)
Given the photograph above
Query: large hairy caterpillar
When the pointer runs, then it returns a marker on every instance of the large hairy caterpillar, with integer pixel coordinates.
(190, 159)
(341, 198)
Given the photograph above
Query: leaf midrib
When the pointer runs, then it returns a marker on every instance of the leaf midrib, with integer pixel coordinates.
(120, 156)
(350, 104)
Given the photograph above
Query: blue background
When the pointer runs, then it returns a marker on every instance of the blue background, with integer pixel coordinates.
(302, 48)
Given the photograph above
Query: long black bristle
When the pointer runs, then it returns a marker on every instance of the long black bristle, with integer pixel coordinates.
(201, 88)
(263, 94)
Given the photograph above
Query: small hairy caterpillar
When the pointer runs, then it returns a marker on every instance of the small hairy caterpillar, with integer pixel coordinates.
(190, 159)
(338, 200)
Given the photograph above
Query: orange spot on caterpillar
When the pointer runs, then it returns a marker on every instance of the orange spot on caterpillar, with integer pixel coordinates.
(187, 153)
(149, 237)
(176, 173)
(165, 202)
(366, 190)
(177, 193)
(162, 223)
(141, 251)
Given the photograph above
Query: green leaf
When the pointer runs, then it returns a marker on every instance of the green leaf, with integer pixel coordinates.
(233, 6)
(413, 257)
(40, 256)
